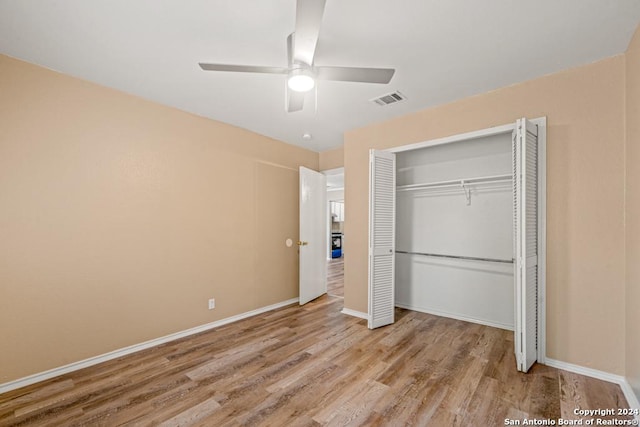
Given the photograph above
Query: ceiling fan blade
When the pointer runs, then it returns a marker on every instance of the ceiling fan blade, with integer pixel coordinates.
(290, 50)
(355, 74)
(243, 68)
(295, 100)
(308, 19)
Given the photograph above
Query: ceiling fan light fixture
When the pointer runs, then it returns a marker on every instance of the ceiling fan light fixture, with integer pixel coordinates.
(301, 80)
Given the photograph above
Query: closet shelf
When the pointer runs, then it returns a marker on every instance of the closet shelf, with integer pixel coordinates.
(456, 182)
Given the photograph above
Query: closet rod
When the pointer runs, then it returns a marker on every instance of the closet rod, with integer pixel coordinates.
(456, 182)
(471, 258)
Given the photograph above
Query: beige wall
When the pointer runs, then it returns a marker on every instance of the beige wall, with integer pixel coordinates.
(585, 197)
(633, 213)
(119, 218)
(332, 159)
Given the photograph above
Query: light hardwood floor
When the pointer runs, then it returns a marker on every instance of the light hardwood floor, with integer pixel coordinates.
(311, 366)
(335, 277)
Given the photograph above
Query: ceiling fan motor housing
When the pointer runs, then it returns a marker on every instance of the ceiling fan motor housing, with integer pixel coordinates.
(301, 79)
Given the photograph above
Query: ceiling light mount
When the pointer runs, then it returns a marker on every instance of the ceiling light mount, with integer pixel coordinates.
(301, 80)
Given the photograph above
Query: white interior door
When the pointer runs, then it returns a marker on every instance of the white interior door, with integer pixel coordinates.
(382, 212)
(313, 232)
(526, 245)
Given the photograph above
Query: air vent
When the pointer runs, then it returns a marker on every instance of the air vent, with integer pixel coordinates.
(390, 98)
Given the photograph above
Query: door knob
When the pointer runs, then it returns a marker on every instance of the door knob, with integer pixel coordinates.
(301, 243)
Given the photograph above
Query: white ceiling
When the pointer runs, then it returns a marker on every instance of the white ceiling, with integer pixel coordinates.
(443, 50)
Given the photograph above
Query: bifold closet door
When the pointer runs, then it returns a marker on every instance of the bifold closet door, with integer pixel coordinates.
(382, 212)
(525, 186)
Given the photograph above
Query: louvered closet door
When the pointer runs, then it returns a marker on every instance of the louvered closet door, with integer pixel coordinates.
(525, 179)
(382, 211)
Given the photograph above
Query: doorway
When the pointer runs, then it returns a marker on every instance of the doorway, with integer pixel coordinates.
(335, 231)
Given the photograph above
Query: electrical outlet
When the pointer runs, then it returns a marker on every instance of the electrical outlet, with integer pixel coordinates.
(212, 303)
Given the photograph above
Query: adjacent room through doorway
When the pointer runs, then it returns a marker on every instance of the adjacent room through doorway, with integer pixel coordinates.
(335, 232)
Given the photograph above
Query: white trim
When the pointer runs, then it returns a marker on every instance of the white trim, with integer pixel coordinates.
(589, 372)
(542, 237)
(355, 313)
(455, 316)
(335, 189)
(75, 366)
(631, 397)
(632, 400)
(496, 130)
(369, 225)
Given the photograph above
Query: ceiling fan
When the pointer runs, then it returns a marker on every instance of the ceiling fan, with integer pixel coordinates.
(301, 71)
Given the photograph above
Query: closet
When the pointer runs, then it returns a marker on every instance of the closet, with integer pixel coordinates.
(454, 232)
(456, 229)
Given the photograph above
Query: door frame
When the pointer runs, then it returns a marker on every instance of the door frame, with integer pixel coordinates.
(542, 207)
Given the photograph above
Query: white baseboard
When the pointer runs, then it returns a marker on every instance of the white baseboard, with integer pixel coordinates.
(41, 376)
(455, 316)
(355, 313)
(589, 372)
(631, 397)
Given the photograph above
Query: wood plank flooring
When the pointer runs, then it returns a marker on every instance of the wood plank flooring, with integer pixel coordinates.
(313, 366)
(335, 277)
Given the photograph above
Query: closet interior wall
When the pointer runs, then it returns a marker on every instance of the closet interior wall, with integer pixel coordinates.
(446, 219)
